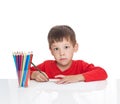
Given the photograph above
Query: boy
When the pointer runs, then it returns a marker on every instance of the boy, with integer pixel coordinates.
(62, 44)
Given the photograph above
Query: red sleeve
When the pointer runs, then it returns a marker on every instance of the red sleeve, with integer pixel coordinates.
(40, 66)
(93, 73)
(32, 69)
(48, 66)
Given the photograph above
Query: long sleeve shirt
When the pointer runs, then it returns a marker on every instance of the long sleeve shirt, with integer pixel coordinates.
(89, 71)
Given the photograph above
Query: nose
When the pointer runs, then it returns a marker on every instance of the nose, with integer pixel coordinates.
(61, 52)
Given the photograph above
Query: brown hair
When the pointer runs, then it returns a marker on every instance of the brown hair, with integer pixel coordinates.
(58, 33)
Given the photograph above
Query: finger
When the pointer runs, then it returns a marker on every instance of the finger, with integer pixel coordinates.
(44, 76)
(62, 81)
(40, 78)
(59, 76)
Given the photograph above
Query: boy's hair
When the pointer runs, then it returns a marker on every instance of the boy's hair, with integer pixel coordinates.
(60, 32)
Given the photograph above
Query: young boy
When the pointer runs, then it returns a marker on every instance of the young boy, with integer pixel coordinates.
(62, 44)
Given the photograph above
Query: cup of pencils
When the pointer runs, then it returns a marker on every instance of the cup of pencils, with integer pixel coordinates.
(22, 62)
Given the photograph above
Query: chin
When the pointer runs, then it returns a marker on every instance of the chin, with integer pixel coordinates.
(64, 63)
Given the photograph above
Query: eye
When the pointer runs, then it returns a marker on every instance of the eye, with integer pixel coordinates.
(55, 49)
(66, 47)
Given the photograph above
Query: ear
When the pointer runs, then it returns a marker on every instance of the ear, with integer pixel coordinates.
(76, 47)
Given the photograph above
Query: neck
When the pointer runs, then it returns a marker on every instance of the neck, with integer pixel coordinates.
(64, 67)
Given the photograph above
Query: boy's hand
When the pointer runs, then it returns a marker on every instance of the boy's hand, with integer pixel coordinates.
(69, 79)
(36, 75)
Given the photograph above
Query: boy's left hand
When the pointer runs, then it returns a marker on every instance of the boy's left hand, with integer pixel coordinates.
(69, 79)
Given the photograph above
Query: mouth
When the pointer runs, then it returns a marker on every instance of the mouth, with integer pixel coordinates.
(63, 59)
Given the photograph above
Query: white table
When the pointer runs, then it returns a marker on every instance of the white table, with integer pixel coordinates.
(97, 92)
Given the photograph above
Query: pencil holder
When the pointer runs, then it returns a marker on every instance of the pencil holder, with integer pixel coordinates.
(22, 63)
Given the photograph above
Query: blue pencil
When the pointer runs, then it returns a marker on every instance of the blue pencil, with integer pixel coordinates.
(25, 69)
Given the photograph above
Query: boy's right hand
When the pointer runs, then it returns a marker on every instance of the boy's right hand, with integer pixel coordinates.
(36, 75)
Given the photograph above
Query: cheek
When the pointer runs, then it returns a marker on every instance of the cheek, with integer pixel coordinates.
(69, 53)
(55, 56)
(52, 53)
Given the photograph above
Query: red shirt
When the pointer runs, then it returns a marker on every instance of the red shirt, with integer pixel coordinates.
(89, 71)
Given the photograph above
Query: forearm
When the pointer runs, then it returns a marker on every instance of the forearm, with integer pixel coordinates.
(95, 75)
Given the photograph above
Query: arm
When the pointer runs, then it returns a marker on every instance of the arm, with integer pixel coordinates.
(85, 72)
(38, 74)
(93, 73)
(97, 73)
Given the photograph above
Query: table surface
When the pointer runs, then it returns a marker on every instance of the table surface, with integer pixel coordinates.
(97, 92)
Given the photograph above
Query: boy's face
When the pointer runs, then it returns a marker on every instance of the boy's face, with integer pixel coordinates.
(63, 52)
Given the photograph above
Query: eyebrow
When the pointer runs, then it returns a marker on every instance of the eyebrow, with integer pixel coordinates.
(58, 45)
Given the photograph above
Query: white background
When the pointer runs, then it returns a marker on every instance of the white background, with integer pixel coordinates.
(24, 25)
